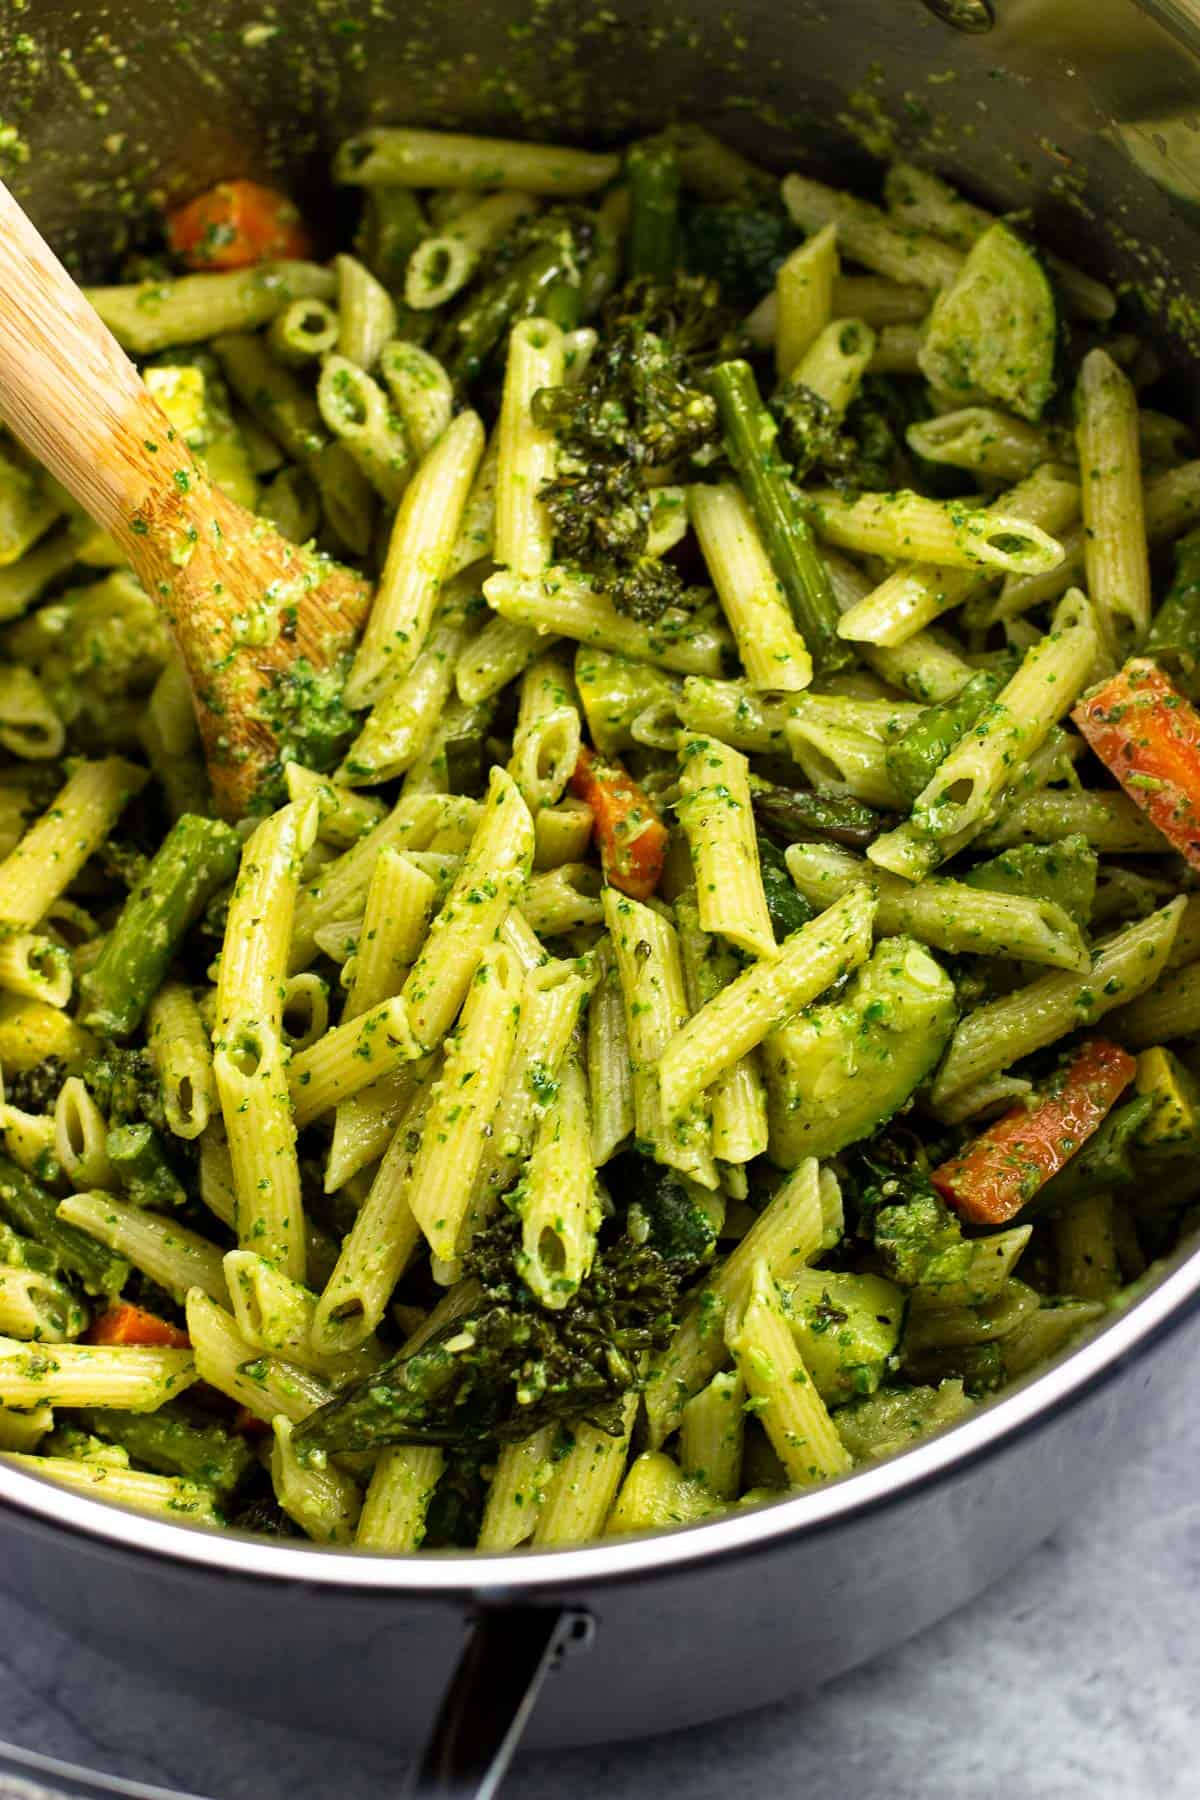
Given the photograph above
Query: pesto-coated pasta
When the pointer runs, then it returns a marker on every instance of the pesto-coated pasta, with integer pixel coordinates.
(707, 990)
(715, 811)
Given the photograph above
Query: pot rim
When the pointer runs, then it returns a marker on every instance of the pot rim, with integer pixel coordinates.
(527, 1574)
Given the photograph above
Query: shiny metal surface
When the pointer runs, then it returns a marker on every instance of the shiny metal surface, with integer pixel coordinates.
(1062, 108)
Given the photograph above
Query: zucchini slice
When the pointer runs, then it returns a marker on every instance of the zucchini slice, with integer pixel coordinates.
(994, 331)
(836, 1073)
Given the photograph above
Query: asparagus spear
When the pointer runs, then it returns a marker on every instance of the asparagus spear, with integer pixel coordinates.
(197, 857)
(175, 1440)
(519, 291)
(799, 814)
(750, 442)
(653, 246)
(30, 1209)
(912, 759)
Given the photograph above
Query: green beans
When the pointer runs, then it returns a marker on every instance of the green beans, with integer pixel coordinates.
(750, 442)
(197, 857)
(913, 758)
(30, 1209)
(652, 249)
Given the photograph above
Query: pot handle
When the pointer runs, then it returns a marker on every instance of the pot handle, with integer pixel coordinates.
(508, 1655)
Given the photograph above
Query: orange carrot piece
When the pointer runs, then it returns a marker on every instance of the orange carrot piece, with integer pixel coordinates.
(1146, 732)
(235, 224)
(124, 1323)
(626, 825)
(995, 1176)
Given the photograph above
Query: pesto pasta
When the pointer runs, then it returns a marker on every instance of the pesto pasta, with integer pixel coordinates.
(709, 990)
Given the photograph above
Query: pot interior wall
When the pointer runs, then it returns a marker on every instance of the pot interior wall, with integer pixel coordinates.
(1084, 113)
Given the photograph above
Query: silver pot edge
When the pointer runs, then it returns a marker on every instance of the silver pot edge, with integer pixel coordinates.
(524, 1575)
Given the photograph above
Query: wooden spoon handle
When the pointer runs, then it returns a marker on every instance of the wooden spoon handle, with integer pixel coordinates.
(68, 390)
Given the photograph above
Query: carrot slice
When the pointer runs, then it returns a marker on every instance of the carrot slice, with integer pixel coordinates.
(1145, 731)
(237, 223)
(995, 1176)
(124, 1323)
(631, 836)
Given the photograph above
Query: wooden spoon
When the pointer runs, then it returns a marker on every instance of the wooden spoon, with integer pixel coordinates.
(244, 604)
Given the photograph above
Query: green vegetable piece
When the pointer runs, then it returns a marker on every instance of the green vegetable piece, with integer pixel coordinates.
(652, 248)
(917, 1238)
(741, 247)
(507, 1365)
(895, 1418)
(637, 408)
(393, 224)
(846, 1328)
(197, 857)
(562, 304)
(17, 1252)
(913, 759)
(1175, 627)
(994, 330)
(124, 1084)
(786, 905)
(837, 1072)
(751, 444)
(139, 1156)
(517, 292)
(178, 1439)
(669, 1213)
(932, 1326)
(1174, 1121)
(1063, 872)
(798, 815)
(1108, 1160)
(31, 1210)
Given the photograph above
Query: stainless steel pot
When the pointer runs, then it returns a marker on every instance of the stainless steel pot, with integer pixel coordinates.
(1087, 115)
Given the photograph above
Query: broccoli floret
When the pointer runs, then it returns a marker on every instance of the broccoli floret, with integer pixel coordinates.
(125, 1086)
(864, 450)
(917, 1238)
(639, 407)
(740, 247)
(508, 1365)
(455, 1512)
(809, 433)
(123, 862)
(570, 228)
(304, 710)
(663, 1212)
(262, 1514)
(35, 1090)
